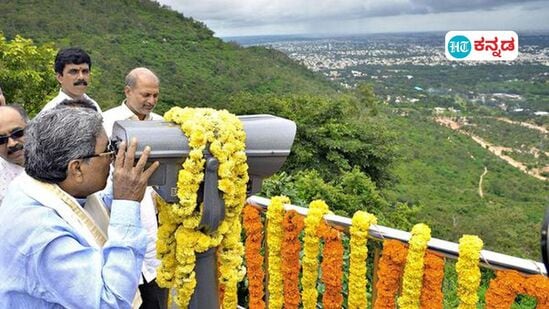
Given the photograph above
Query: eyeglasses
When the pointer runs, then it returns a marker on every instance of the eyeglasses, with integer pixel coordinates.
(17, 133)
(109, 151)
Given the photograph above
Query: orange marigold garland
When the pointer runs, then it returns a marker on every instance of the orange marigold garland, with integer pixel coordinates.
(433, 275)
(508, 283)
(538, 286)
(503, 289)
(254, 259)
(293, 225)
(390, 267)
(332, 267)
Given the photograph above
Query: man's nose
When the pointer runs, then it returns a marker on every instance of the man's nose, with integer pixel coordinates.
(12, 142)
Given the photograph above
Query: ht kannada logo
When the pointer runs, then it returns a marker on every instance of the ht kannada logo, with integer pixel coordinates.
(459, 46)
(481, 45)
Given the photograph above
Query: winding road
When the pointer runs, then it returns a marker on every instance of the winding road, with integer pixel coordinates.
(480, 193)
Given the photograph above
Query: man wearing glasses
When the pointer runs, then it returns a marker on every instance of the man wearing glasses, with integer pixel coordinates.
(52, 253)
(13, 121)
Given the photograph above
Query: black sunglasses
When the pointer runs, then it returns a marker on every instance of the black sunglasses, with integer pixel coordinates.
(109, 151)
(17, 133)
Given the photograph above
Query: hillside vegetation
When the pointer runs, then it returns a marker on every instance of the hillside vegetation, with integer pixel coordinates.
(440, 169)
(195, 68)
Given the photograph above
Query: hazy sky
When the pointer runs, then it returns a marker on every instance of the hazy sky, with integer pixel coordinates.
(263, 17)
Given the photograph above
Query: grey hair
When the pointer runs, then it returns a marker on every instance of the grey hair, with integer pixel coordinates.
(57, 136)
(131, 78)
(77, 103)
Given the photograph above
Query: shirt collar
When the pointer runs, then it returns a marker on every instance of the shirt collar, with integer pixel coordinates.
(128, 114)
(66, 96)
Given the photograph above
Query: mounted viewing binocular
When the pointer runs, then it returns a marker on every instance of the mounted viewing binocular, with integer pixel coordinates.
(268, 143)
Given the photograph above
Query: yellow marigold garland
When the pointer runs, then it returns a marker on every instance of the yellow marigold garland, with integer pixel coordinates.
(254, 259)
(508, 283)
(359, 252)
(390, 268)
(413, 270)
(332, 267)
(231, 269)
(275, 216)
(291, 247)
(468, 271)
(317, 209)
(165, 245)
(224, 134)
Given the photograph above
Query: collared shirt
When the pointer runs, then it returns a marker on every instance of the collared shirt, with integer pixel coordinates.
(123, 112)
(148, 206)
(46, 263)
(63, 96)
(8, 171)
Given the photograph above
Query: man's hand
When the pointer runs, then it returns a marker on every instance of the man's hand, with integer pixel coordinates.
(130, 181)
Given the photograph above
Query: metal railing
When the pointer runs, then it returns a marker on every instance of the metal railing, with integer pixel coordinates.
(488, 259)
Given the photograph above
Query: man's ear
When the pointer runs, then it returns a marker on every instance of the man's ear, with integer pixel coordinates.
(74, 171)
(127, 90)
(59, 76)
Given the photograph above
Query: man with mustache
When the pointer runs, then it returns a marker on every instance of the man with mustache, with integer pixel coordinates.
(142, 90)
(13, 121)
(73, 67)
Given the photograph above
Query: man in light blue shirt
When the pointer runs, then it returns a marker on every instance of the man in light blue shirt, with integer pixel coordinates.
(52, 253)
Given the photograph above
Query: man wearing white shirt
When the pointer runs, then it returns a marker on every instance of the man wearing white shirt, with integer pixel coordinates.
(72, 68)
(141, 90)
(13, 121)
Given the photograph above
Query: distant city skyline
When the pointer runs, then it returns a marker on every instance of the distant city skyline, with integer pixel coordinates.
(277, 17)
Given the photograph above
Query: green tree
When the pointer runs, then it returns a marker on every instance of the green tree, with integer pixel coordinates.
(367, 99)
(26, 72)
(345, 194)
(329, 138)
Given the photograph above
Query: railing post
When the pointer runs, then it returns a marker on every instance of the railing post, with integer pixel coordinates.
(206, 290)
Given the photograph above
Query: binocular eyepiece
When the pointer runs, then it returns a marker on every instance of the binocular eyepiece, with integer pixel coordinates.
(269, 140)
